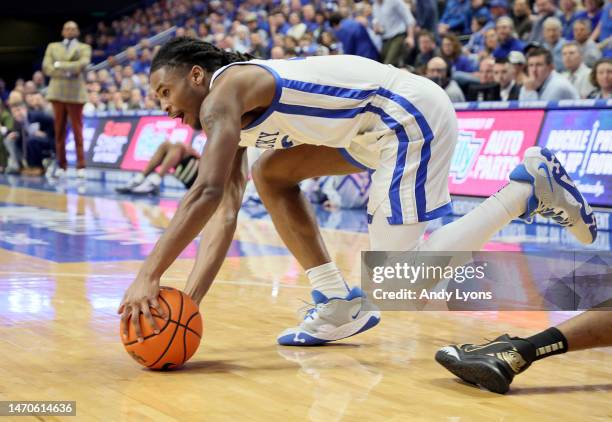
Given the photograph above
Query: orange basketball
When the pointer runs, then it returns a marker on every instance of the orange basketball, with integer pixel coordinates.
(178, 338)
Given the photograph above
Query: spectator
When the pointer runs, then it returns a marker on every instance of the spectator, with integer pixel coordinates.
(485, 71)
(117, 103)
(486, 89)
(298, 28)
(518, 61)
(427, 50)
(242, 41)
(521, 17)
(3, 92)
(39, 80)
(546, 9)
(603, 30)
(258, 48)
(426, 14)
(6, 126)
(94, 103)
(451, 51)
(601, 78)
(567, 18)
(455, 17)
(575, 70)
(588, 48)
(506, 41)
(65, 63)
(490, 44)
(308, 13)
(504, 75)
(592, 11)
(30, 141)
(478, 26)
(353, 36)
(498, 8)
(277, 53)
(553, 40)
(135, 101)
(394, 21)
(543, 82)
(439, 71)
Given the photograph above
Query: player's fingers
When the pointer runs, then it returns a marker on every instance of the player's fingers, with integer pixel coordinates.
(124, 320)
(155, 305)
(120, 310)
(146, 311)
(136, 322)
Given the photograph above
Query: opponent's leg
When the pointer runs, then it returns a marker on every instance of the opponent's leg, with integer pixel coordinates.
(493, 365)
(277, 174)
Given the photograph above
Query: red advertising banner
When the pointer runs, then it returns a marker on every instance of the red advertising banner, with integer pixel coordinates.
(490, 145)
(150, 133)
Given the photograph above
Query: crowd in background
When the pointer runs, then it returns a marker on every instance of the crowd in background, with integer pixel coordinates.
(474, 49)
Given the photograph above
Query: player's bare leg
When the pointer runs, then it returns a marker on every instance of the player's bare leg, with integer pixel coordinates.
(338, 309)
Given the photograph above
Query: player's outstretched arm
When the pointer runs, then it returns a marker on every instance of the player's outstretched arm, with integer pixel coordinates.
(217, 235)
(236, 94)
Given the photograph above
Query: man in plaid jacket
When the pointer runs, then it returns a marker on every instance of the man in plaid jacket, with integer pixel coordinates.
(65, 64)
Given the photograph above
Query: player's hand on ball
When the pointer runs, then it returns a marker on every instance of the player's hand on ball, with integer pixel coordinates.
(139, 298)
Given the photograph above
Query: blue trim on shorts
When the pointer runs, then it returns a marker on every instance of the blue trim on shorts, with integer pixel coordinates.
(421, 175)
(328, 113)
(348, 157)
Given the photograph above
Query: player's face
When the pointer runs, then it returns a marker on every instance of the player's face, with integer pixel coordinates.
(181, 91)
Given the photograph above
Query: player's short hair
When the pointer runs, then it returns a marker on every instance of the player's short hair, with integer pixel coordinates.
(187, 52)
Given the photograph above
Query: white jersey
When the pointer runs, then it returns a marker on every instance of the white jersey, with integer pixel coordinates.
(379, 117)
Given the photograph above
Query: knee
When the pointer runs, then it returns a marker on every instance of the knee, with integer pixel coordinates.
(266, 173)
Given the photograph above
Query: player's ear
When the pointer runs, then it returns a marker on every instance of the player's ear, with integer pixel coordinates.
(198, 75)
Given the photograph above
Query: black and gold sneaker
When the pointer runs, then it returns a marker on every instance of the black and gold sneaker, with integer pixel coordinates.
(491, 365)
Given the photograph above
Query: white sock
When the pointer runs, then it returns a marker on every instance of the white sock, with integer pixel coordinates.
(328, 280)
(473, 230)
(154, 178)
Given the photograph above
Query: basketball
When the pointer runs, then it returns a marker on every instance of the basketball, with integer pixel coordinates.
(178, 338)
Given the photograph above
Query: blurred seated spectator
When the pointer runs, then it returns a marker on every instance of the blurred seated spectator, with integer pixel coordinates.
(576, 71)
(601, 78)
(592, 11)
(427, 50)
(567, 18)
(506, 41)
(94, 103)
(242, 41)
(490, 44)
(504, 75)
(439, 71)
(543, 82)
(31, 140)
(553, 41)
(6, 126)
(518, 62)
(426, 14)
(486, 89)
(258, 47)
(39, 80)
(455, 17)
(277, 53)
(546, 9)
(452, 52)
(353, 36)
(603, 31)
(135, 101)
(298, 28)
(117, 103)
(521, 17)
(588, 48)
(478, 26)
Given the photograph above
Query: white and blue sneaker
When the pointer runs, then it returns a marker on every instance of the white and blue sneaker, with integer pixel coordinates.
(332, 319)
(554, 194)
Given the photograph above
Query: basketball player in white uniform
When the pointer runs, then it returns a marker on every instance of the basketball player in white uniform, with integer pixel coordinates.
(323, 116)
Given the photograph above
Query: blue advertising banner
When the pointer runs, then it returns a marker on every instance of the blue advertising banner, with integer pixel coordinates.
(582, 140)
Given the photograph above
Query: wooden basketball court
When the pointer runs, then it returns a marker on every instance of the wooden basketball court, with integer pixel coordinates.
(66, 259)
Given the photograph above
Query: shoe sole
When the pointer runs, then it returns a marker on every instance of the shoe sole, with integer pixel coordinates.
(302, 338)
(478, 373)
(521, 174)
